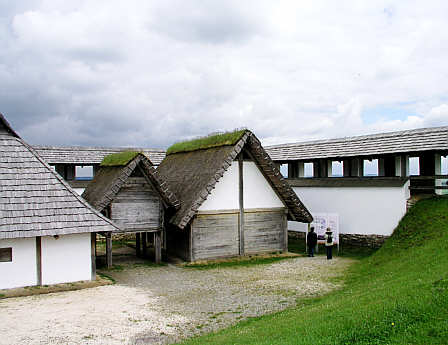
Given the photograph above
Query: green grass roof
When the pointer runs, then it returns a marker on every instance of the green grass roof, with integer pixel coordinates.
(215, 140)
(119, 159)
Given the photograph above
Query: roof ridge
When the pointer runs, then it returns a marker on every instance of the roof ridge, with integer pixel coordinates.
(95, 148)
(360, 137)
(205, 192)
(116, 182)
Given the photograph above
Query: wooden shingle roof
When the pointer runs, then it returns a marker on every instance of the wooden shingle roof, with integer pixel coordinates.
(34, 199)
(193, 175)
(417, 140)
(101, 191)
(84, 155)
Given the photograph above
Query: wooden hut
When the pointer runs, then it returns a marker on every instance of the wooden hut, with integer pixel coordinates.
(47, 231)
(234, 201)
(128, 190)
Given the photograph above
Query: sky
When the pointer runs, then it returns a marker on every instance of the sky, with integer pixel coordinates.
(151, 73)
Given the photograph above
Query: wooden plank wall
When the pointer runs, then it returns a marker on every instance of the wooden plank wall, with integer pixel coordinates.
(137, 206)
(215, 235)
(264, 232)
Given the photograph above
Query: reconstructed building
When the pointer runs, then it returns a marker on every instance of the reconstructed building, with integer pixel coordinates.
(47, 232)
(233, 199)
(369, 207)
(128, 190)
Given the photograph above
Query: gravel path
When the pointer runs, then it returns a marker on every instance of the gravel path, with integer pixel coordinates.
(159, 305)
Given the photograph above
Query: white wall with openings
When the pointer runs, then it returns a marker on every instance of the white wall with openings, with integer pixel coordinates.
(22, 269)
(362, 210)
(66, 258)
(257, 191)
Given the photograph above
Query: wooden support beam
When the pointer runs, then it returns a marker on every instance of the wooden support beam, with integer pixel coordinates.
(109, 250)
(190, 242)
(93, 254)
(158, 247)
(70, 172)
(300, 169)
(144, 245)
(39, 260)
(137, 244)
(285, 233)
(241, 204)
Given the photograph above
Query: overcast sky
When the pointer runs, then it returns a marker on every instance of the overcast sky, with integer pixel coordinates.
(149, 73)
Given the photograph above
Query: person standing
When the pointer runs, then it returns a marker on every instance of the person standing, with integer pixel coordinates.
(329, 243)
(311, 241)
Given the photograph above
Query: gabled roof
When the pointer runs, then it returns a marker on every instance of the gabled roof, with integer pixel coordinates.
(109, 179)
(89, 155)
(411, 141)
(35, 200)
(192, 175)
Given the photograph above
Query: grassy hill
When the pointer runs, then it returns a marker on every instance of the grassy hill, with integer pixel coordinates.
(399, 295)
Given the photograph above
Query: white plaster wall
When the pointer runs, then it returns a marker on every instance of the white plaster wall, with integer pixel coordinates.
(66, 259)
(79, 190)
(22, 271)
(362, 210)
(257, 191)
(225, 196)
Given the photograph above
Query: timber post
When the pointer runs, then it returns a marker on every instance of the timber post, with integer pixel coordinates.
(108, 249)
(241, 203)
(39, 260)
(158, 247)
(137, 244)
(144, 245)
(93, 254)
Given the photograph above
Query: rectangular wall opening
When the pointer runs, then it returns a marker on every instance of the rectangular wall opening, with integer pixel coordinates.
(370, 167)
(414, 166)
(308, 170)
(337, 169)
(84, 173)
(444, 165)
(5, 254)
(284, 170)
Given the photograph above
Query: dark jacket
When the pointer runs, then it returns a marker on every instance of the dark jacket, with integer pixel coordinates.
(311, 239)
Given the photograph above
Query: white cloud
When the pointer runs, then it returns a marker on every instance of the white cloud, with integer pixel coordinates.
(150, 73)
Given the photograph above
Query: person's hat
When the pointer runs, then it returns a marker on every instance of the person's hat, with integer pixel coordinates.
(328, 230)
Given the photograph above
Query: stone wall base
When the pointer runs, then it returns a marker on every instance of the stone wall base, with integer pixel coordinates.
(352, 240)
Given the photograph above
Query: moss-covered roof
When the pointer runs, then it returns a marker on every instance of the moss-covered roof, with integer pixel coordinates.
(192, 176)
(118, 159)
(214, 140)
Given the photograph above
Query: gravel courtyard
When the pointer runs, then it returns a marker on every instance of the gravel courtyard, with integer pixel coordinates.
(159, 305)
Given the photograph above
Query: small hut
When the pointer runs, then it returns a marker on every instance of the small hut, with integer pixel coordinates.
(234, 201)
(47, 231)
(128, 190)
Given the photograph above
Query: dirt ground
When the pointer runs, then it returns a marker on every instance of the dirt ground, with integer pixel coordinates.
(159, 305)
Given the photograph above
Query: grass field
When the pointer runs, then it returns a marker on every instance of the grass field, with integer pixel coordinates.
(398, 295)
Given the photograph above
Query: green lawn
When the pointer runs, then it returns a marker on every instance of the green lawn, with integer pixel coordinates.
(398, 295)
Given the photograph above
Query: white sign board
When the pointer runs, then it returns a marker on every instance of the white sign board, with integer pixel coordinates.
(322, 221)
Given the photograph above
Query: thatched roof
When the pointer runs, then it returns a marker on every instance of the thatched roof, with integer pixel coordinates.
(113, 174)
(34, 199)
(193, 174)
